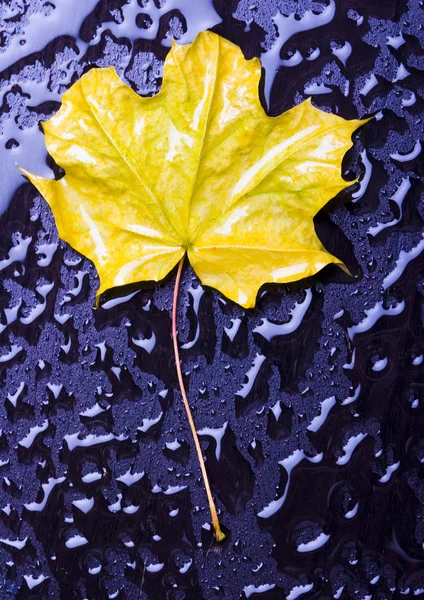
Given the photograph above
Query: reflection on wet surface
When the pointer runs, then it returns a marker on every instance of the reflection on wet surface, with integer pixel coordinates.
(309, 408)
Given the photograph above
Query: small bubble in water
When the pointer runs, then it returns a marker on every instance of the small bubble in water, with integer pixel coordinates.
(11, 144)
(144, 21)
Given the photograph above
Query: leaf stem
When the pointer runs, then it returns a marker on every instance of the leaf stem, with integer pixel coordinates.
(219, 535)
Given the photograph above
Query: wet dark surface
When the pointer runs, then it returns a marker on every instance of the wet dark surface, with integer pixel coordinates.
(358, 487)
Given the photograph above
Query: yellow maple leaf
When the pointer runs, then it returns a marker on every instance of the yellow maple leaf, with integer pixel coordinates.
(198, 169)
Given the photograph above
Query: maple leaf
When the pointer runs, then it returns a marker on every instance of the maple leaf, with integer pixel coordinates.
(198, 169)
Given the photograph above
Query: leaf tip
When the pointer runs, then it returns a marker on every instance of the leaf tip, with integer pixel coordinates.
(30, 176)
(345, 269)
(358, 123)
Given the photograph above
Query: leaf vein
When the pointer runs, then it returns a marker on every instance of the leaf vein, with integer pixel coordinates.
(121, 153)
